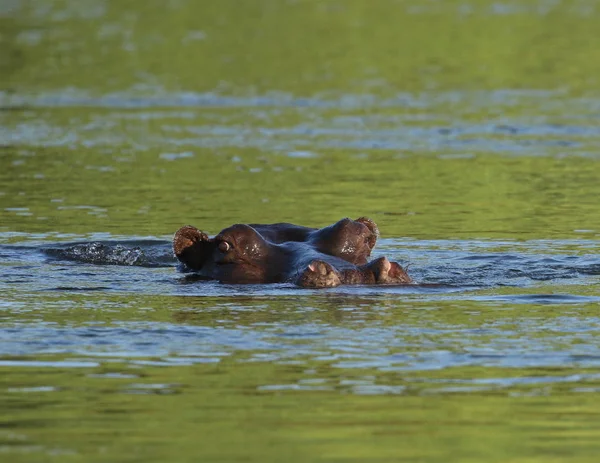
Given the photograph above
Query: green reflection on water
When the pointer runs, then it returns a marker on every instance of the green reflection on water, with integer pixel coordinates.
(219, 413)
(84, 170)
(303, 46)
(416, 196)
(301, 409)
(97, 170)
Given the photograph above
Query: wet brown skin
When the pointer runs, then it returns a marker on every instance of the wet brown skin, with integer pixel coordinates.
(351, 240)
(192, 247)
(321, 274)
(239, 254)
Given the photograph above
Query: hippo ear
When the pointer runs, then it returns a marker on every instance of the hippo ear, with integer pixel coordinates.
(224, 246)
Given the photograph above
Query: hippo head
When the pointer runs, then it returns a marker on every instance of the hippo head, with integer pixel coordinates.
(318, 274)
(351, 240)
(388, 273)
(241, 255)
(192, 247)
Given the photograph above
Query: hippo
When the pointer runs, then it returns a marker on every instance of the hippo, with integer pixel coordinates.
(283, 252)
(351, 240)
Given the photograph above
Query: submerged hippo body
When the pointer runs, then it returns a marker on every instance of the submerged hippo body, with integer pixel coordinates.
(281, 252)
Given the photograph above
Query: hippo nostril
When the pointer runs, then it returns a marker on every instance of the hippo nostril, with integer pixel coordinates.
(224, 246)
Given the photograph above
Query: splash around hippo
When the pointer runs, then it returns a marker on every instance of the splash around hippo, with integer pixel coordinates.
(284, 252)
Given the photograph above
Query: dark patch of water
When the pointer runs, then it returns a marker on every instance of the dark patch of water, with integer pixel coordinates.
(141, 253)
(438, 266)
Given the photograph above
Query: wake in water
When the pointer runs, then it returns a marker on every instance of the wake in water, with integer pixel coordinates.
(454, 269)
(438, 268)
(129, 253)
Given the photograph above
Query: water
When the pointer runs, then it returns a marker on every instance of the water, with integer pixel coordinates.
(467, 130)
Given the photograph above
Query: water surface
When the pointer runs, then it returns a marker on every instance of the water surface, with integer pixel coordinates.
(467, 130)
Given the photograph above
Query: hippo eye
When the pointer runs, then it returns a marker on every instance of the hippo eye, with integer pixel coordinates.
(224, 246)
